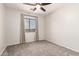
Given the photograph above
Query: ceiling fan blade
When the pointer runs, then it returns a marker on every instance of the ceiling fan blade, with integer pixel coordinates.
(43, 4)
(42, 9)
(32, 4)
(34, 9)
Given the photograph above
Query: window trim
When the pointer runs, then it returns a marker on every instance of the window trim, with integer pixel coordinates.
(30, 30)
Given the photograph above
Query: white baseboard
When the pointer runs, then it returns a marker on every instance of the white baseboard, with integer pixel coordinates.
(64, 46)
(2, 50)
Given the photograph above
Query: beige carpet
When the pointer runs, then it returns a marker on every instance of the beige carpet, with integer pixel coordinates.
(40, 48)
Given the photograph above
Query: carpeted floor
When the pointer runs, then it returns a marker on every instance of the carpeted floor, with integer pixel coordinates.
(40, 48)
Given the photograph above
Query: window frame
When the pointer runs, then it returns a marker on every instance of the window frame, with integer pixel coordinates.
(30, 30)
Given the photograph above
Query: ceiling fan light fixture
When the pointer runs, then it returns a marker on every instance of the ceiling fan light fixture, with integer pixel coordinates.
(38, 6)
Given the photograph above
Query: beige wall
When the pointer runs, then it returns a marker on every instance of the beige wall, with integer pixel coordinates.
(13, 26)
(41, 27)
(62, 27)
(2, 31)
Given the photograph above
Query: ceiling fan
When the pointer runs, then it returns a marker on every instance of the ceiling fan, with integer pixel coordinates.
(38, 5)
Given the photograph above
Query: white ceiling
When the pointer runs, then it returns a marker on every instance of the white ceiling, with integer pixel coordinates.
(49, 8)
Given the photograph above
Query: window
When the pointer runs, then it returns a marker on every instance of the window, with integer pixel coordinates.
(29, 25)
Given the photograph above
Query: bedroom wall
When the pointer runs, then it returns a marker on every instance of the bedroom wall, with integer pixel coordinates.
(62, 27)
(13, 25)
(2, 29)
